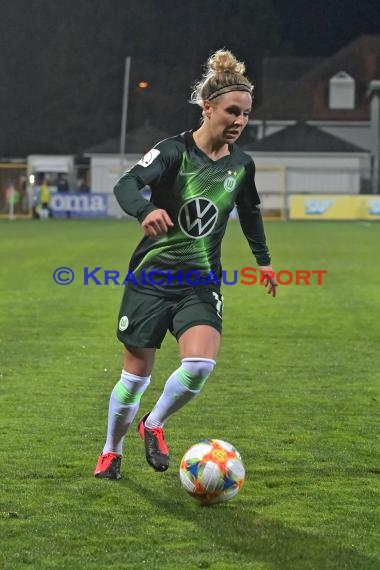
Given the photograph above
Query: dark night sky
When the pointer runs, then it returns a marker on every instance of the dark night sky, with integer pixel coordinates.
(61, 62)
(321, 28)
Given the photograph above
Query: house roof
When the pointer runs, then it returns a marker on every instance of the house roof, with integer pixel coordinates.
(307, 98)
(281, 72)
(137, 141)
(302, 138)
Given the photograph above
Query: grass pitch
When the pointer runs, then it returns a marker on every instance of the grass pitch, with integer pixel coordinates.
(296, 390)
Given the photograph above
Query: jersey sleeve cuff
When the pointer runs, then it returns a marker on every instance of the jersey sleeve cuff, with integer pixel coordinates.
(147, 210)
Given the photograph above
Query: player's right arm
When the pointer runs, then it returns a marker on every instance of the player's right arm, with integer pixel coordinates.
(157, 223)
(148, 171)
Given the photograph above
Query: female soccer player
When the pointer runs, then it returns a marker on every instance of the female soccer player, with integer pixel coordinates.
(173, 282)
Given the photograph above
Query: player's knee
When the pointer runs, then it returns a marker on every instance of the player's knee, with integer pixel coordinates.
(195, 371)
(198, 367)
(130, 388)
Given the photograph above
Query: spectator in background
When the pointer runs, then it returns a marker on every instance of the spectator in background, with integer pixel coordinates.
(24, 199)
(46, 211)
(62, 184)
(82, 186)
(63, 187)
(35, 191)
(12, 198)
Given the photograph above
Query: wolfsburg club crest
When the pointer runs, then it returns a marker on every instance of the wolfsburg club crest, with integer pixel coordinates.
(123, 323)
(230, 183)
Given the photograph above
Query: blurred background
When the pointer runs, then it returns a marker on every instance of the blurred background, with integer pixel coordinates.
(314, 129)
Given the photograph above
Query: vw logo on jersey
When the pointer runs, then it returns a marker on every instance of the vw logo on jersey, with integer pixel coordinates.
(197, 218)
(230, 183)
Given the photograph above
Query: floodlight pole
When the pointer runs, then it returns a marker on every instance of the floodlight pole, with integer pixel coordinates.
(124, 114)
(374, 94)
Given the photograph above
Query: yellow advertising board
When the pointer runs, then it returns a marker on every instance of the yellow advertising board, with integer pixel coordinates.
(334, 207)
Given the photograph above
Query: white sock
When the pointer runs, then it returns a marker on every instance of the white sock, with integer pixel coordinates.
(181, 387)
(123, 407)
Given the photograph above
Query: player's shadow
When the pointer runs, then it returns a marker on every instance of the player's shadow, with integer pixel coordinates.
(260, 539)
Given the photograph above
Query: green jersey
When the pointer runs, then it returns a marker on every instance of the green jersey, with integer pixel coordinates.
(199, 195)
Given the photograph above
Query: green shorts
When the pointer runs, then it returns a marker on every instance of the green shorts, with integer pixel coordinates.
(145, 318)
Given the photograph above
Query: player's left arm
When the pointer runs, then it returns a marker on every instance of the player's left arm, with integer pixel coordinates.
(251, 221)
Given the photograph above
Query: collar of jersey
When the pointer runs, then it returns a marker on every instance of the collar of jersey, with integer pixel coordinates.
(190, 142)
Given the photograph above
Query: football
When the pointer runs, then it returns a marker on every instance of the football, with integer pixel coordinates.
(212, 471)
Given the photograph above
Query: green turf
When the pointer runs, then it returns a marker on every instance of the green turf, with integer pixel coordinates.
(296, 390)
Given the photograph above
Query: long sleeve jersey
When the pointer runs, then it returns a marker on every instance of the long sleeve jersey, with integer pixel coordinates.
(198, 193)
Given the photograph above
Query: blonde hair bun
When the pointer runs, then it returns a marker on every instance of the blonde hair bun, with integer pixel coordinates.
(223, 73)
(224, 61)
